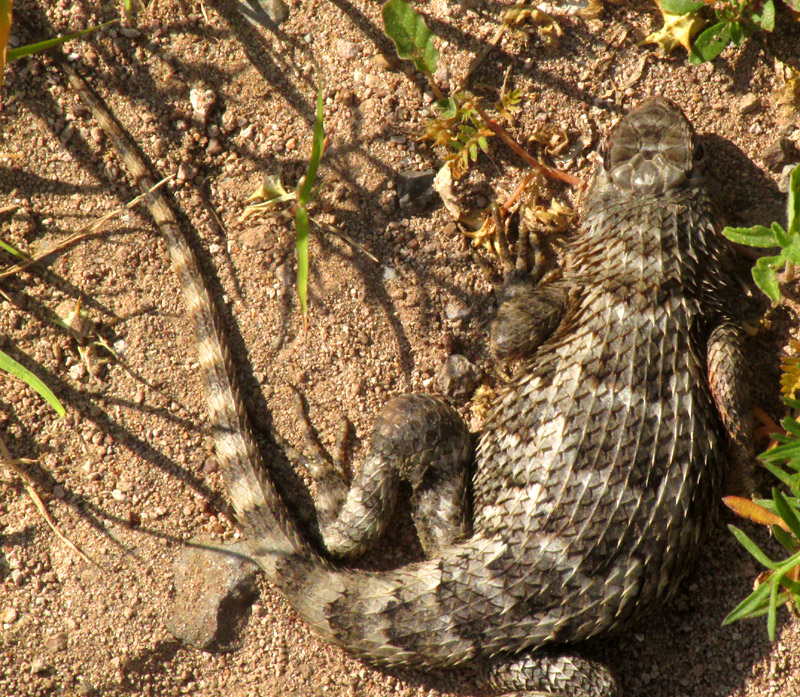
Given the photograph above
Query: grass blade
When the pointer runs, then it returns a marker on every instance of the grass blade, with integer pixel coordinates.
(9, 365)
(317, 144)
(752, 547)
(301, 214)
(30, 49)
(301, 249)
(753, 605)
(786, 513)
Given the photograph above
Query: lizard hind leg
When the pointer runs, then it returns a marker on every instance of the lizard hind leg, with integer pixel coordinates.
(546, 674)
(422, 440)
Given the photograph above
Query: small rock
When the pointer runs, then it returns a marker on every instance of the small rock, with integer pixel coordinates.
(39, 666)
(386, 61)
(185, 173)
(277, 10)
(346, 49)
(210, 465)
(58, 491)
(9, 615)
(256, 238)
(202, 102)
(389, 274)
(779, 154)
(291, 143)
(118, 495)
(415, 188)
(215, 587)
(130, 32)
(749, 104)
(785, 179)
(285, 274)
(214, 147)
(455, 313)
(160, 147)
(56, 642)
(77, 372)
(458, 377)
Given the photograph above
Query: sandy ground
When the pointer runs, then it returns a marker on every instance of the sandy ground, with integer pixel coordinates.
(129, 473)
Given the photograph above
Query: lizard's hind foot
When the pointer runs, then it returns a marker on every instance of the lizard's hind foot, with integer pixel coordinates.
(419, 439)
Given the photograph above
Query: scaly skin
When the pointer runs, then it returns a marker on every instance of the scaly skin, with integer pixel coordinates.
(594, 476)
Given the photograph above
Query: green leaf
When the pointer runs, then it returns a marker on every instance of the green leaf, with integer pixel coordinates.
(301, 249)
(791, 425)
(786, 513)
(473, 151)
(766, 18)
(483, 144)
(303, 197)
(756, 236)
(794, 4)
(781, 235)
(447, 108)
(793, 204)
(407, 29)
(750, 606)
(752, 547)
(710, 43)
(11, 249)
(737, 34)
(9, 365)
(29, 49)
(681, 7)
(304, 194)
(765, 278)
(773, 604)
(789, 542)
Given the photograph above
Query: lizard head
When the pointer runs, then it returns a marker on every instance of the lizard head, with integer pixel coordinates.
(651, 151)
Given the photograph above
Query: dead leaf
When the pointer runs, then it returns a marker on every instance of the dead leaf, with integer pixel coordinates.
(745, 508)
(678, 30)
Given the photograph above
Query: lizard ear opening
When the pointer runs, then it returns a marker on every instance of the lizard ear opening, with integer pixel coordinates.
(699, 154)
(605, 148)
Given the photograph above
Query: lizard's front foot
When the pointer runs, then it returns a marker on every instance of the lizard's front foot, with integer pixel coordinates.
(527, 312)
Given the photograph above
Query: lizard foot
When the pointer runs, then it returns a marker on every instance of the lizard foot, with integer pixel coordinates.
(416, 438)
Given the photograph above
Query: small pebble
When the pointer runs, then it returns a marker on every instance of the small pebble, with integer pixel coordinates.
(56, 642)
(749, 103)
(386, 61)
(118, 495)
(9, 615)
(39, 666)
(346, 49)
(185, 172)
(214, 147)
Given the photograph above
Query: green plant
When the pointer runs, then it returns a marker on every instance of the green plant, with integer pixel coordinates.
(736, 20)
(766, 268)
(779, 584)
(412, 39)
(272, 194)
(732, 22)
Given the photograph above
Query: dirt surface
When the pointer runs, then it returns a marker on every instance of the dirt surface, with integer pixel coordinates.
(129, 473)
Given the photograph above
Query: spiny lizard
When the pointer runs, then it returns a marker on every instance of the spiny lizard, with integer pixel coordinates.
(594, 477)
